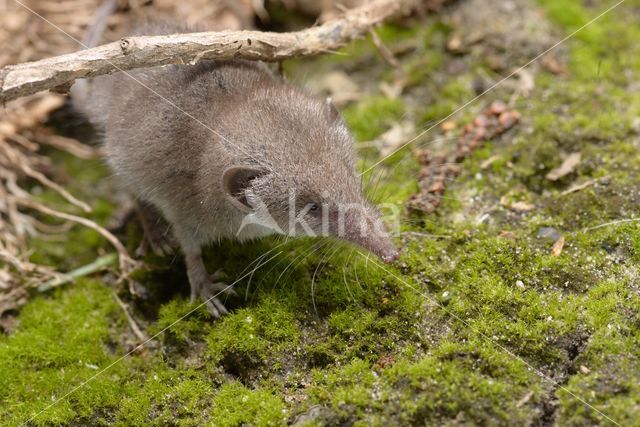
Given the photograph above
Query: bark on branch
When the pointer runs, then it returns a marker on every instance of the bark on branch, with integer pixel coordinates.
(143, 51)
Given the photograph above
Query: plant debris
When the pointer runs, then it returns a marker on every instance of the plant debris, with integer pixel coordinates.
(568, 166)
(521, 207)
(437, 169)
(557, 247)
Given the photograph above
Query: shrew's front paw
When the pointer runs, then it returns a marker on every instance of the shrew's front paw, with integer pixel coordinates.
(209, 291)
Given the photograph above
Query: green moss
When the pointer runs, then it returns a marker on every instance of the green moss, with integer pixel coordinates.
(449, 98)
(370, 117)
(164, 397)
(429, 391)
(61, 343)
(464, 329)
(235, 405)
(179, 320)
(249, 336)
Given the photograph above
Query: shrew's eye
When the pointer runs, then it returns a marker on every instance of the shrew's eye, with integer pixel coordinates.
(313, 207)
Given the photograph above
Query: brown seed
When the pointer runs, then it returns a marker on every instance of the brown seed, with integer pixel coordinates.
(480, 121)
(480, 133)
(436, 187)
(507, 120)
(468, 128)
(497, 107)
(423, 156)
(453, 168)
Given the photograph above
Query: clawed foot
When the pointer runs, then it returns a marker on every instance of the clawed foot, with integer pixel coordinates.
(161, 244)
(157, 233)
(209, 292)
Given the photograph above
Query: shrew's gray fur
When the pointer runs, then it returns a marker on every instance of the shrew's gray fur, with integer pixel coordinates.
(211, 144)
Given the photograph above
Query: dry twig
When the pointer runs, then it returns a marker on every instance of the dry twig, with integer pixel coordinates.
(143, 51)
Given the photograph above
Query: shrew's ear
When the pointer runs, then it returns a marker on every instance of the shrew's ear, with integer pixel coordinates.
(235, 180)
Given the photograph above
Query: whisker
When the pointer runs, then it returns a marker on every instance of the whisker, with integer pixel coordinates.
(279, 261)
(246, 294)
(355, 271)
(418, 234)
(313, 280)
(304, 254)
(308, 254)
(344, 278)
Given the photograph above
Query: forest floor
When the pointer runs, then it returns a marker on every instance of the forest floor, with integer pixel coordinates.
(516, 302)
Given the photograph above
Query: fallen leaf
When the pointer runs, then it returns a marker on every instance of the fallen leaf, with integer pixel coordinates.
(489, 162)
(527, 397)
(390, 90)
(526, 83)
(584, 369)
(339, 86)
(454, 44)
(552, 64)
(395, 137)
(582, 186)
(556, 249)
(568, 165)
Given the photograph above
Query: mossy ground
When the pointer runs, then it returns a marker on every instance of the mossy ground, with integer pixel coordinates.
(470, 327)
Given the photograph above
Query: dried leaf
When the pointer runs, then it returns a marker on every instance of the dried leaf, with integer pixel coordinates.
(454, 44)
(399, 133)
(552, 64)
(568, 165)
(339, 86)
(556, 249)
(526, 83)
(509, 235)
(489, 162)
(522, 207)
(527, 397)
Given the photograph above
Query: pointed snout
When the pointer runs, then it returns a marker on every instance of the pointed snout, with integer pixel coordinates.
(389, 256)
(364, 228)
(378, 245)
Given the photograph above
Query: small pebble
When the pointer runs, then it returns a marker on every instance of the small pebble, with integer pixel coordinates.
(549, 233)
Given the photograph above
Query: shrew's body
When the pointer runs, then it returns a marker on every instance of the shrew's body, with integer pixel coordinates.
(214, 144)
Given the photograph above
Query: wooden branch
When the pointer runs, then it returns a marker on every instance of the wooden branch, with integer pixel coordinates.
(150, 51)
